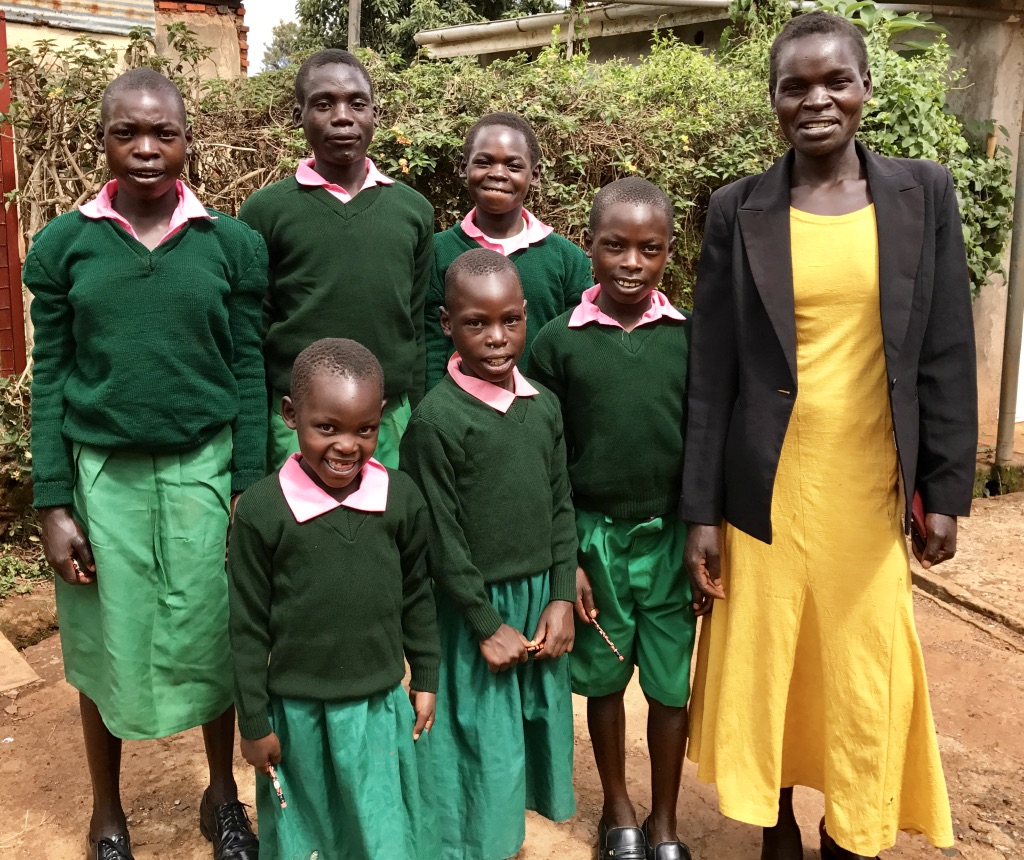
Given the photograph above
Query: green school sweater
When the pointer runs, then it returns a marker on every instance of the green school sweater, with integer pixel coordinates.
(328, 608)
(498, 495)
(623, 398)
(358, 270)
(554, 273)
(145, 351)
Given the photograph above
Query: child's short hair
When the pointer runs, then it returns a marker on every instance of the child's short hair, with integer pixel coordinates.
(817, 23)
(145, 80)
(636, 191)
(327, 57)
(505, 119)
(338, 356)
(476, 263)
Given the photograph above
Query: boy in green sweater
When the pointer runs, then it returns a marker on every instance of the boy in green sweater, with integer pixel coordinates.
(486, 448)
(500, 163)
(350, 250)
(618, 365)
(148, 418)
(329, 596)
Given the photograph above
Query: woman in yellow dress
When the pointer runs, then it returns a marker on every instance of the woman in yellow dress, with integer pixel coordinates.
(832, 374)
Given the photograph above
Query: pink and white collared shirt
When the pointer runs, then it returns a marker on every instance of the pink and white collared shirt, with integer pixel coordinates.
(307, 500)
(587, 310)
(305, 174)
(188, 208)
(533, 231)
(487, 392)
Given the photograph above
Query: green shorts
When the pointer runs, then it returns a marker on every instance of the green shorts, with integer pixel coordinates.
(643, 594)
(282, 441)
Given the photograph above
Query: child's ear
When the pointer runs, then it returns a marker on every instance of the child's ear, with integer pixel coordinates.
(98, 135)
(524, 309)
(189, 139)
(463, 167)
(535, 176)
(671, 248)
(376, 115)
(383, 403)
(446, 322)
(288, 413)
(297, 116)
(588, 244)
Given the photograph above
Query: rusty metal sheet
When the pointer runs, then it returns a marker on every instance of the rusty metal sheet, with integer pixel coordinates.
(112, 16)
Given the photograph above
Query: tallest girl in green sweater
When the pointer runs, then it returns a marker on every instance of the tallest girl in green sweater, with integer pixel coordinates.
(326, 228)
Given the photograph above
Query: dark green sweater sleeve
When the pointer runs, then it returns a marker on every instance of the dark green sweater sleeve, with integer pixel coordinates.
(543, 364)
(250, 591)
(423, 267)
(437, 345)
(249, 431)
(431, 459)
(564, 544)
(419, 614)
(581, 277)
(53, 358)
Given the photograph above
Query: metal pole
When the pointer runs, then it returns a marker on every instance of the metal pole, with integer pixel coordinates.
(355, 20)
(1014, 320)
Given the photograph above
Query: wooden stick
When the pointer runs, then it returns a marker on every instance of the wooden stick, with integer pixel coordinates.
(606, 639)
(277, 788)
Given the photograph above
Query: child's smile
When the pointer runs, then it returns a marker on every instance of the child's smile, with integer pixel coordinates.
(337, 422)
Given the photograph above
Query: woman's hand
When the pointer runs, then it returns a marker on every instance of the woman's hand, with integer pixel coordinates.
(66, 547)
(702, 558)
(940, 543)
(504, 648)
(555, 632)
(262, 753)
(424, 704)
(585, 609)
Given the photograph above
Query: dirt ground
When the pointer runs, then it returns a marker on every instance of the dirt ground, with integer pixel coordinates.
(977, 685)
(976, 679)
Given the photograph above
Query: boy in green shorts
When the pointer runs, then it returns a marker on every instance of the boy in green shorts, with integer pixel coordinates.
(350, 251)
(618, 365)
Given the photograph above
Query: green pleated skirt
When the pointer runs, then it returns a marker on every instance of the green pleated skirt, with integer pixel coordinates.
(148, 641)
(282, 441)
(356, 784)
(502, 743)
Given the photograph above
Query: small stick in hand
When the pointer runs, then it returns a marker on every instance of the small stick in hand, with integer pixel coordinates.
(606, 639)
(277, 788)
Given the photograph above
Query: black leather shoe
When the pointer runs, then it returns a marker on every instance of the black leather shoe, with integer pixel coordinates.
(227, 827)
(620, 843)
(117, 847)
(831, 851)
(664, 850)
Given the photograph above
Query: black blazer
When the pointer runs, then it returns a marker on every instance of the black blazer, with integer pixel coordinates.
(743, 348)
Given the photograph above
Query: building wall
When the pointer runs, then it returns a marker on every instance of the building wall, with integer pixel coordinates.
(25, 35)
(221, 27)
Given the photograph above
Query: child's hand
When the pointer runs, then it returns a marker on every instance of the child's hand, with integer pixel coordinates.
(585, 609)
(555, 631)
(940, 543)
(702, 558)
(424, 704)
(262, 753)
(66, 547)
(504, 648)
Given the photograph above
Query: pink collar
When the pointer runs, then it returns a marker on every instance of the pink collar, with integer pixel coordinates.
(534, 232)
(308, 500)
(305, 174)
(188, 208)
(587, 310)
(493, 395)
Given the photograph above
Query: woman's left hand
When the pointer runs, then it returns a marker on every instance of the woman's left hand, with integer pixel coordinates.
(940, 544)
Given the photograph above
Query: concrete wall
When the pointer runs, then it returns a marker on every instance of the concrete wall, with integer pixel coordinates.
(25, 35)
(218, 31)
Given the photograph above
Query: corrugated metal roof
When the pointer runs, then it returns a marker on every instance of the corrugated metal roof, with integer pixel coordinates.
(112, 16)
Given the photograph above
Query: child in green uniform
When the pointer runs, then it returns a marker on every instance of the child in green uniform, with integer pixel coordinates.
(148, 416)
(500, 163)
(350, 250)
(618, 365)
(329, 591)
(486, 448)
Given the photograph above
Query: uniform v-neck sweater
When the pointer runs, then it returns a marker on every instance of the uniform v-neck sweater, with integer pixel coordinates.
(623, 398)
(327, 609)
(358, 270)
(498, 495)
(145, 351)
(554, 273)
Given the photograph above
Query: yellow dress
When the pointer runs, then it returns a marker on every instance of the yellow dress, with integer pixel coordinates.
(810, 671)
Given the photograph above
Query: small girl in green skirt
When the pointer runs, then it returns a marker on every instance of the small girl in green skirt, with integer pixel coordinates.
(329, 592)
(486, 448)
(148, 414)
